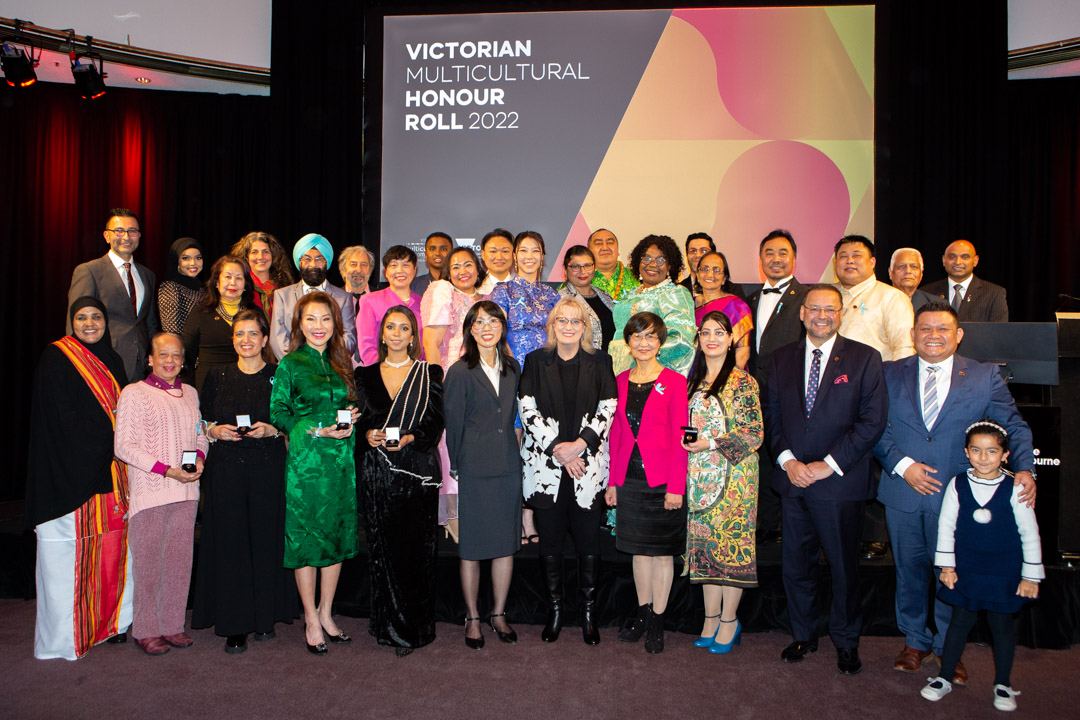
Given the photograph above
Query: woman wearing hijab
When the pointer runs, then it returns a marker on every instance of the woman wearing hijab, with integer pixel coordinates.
(76, 499)
(397, 466)
(183, 286)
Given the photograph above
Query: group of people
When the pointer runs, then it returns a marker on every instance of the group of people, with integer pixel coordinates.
(509, 412)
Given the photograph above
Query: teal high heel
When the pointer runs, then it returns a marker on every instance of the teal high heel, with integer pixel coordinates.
(704, 642)
(724, 648)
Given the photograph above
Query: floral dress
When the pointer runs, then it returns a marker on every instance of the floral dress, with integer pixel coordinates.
(672, 303)
(722, 485)
(527, 306)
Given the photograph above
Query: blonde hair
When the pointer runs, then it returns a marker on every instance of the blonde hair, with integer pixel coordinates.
(579, 306)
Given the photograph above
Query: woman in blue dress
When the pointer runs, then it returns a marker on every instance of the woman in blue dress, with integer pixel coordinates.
(527, 303)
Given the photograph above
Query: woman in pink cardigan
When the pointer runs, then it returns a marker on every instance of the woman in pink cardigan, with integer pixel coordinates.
(156, 421)
(648, 475)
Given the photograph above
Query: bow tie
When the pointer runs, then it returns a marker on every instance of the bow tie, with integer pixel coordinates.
(777, 290)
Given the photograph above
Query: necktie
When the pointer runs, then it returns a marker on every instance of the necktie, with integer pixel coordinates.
(929, 397)
(957, 297)
(812, 383)
(131, 290)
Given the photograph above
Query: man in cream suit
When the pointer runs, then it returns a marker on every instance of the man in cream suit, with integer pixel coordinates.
(312, 255)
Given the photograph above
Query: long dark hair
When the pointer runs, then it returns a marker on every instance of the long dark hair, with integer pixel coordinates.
(414, 344)
(699, 368)
(340, 359)
(212, 296)
(471, 353)
(280, 272)
(259, 318)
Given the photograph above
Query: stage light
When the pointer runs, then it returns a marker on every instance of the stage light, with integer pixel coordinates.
(89, 78)
(18, 68)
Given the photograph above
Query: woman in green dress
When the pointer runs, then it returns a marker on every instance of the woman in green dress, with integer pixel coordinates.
(657, 262)
(312, 383)
(722, 481)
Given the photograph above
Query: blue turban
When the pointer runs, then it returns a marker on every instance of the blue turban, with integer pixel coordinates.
(309, 241)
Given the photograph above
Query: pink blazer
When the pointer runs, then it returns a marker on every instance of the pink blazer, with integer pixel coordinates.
(659, 437)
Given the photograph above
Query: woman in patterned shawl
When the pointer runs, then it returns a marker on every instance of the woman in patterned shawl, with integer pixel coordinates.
(722, 481)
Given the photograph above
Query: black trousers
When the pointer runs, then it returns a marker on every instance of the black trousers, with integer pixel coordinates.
(565, 515)
(1002, 627)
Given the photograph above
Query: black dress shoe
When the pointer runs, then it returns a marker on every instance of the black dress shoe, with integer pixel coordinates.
(847, 661)
(769, 536)
(637, 625)
(340, 639)
(117, 639)
(874, 550)
(796, 651)
(507, 637)
(473, 643)
(236, 644)
(260, 637)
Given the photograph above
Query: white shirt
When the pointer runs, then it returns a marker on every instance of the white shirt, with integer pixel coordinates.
(314, 288)
(488, 286)
(140, 291)
(767, 305)
(944, 382)
(493, 373)
(826, 351)
(965, 284)
(880, 316)
(983, 490)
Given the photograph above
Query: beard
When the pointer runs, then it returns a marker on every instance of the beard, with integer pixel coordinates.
(313, 276)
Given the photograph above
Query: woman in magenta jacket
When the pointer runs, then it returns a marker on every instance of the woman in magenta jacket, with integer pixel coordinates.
(648, 475)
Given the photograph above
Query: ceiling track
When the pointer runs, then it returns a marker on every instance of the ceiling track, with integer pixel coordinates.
(1048, 54)
(64, 41)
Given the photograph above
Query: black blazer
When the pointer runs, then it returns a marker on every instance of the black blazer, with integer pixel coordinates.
(984, 301)
(848, 418)
(480, 436)
(542, 409)
(783, 328)
(130, 335)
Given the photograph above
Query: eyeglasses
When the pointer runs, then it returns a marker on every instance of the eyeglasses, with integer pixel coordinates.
(121, 232)
(718, 333)
(645, 337)
(659, 261)
(486, 321)
(584, 267)
(710, 270)
(818, 310)
(572, 322)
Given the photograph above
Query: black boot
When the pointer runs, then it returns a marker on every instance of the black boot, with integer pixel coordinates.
(654, 641)
(551, 567)
(635, 626)
(588, 574)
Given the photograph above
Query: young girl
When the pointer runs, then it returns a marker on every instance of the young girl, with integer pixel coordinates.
(988, 544)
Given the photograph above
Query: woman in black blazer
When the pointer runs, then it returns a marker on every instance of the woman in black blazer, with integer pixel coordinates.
(568, 397)
(481, 404)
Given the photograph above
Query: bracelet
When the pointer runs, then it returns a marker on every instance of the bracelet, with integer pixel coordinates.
(209, 427)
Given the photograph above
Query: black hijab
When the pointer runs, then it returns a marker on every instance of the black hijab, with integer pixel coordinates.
(172, 268)
(103, 348)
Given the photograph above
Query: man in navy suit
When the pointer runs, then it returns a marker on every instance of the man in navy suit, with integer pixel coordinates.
(826, 406)
(934, 396)
(127, 289)
(775, 310)
(973, 299)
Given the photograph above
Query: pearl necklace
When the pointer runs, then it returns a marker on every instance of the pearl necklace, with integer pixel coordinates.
(401, 364)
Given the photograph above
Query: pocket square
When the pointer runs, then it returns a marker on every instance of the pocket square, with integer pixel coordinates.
(840, 380)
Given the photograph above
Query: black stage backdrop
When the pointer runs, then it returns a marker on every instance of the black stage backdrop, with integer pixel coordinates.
(961, 152)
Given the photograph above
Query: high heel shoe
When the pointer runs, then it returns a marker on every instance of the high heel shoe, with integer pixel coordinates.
(473, 643)
(340, 639)
(724, 648)
(507, 637)
(704, 642)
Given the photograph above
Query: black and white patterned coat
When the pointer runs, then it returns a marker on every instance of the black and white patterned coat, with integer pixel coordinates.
(541, 407)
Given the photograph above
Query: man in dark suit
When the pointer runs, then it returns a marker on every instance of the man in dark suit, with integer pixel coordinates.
(906, 273)
(697, 244)
(974, 300)
(128, 290)
(775, 309)
(934, 396)
(826, 405)
(437, 249)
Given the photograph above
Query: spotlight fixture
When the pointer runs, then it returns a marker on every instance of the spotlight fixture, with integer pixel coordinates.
(18, 67)
(89, 78)
(142, 80)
